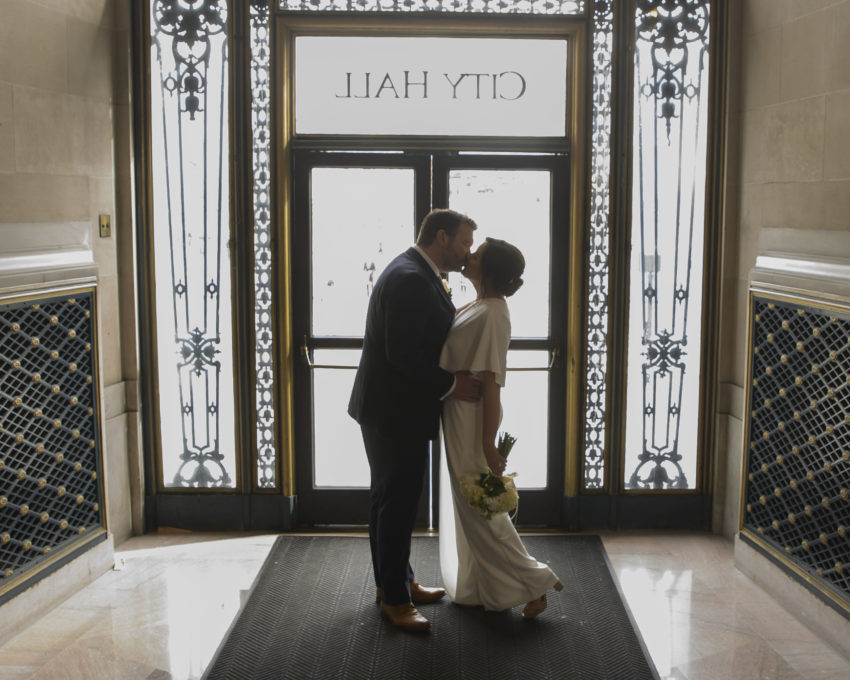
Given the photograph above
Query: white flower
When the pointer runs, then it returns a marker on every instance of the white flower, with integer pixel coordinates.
(489, 494)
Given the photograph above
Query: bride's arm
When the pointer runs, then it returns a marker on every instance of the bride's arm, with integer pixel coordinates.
(492, 414)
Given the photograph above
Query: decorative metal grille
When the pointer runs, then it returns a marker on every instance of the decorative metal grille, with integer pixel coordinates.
(569, 7)
(263, 352)
(597, 321)
(191, 220)
(671, 67)
(798, 459)
(597, 271)
(50, 493)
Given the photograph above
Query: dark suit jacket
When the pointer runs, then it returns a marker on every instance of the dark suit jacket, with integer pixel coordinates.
(398, 385)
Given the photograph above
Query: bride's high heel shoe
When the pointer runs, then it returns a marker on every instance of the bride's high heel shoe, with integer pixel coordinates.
(538, 606)
(534, 608)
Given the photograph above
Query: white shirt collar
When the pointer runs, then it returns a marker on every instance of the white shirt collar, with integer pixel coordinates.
(430, 262)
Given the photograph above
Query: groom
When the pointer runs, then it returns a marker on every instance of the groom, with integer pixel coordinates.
(397, 399)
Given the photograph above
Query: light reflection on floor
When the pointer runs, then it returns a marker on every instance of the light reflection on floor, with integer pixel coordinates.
(163, 614)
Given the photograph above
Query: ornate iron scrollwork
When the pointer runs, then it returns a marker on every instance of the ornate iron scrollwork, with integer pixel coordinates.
(671, 51)
(600, 188)
(189, 24)
(669, 27)
(597, 271)
(191, 51)
(458, 6)
(263, 293)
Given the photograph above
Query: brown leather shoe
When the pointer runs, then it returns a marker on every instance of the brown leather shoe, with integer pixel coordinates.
(405, 616)
(422, 595)
(419, 594)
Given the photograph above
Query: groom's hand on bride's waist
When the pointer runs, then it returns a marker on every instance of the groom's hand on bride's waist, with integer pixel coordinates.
(466, 388)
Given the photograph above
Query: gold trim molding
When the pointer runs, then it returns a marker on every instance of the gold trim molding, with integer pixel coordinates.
(574, 30)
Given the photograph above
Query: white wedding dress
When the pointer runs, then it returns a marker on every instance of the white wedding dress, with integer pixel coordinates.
(483, 561)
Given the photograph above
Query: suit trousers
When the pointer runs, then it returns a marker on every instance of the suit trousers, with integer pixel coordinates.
(397, 464)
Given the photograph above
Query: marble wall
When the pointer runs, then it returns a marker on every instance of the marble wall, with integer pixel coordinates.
(788, 168)
(787, 188)
(65, 158)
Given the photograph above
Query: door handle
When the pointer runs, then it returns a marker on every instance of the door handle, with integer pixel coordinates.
(554, 352)
(305, 352)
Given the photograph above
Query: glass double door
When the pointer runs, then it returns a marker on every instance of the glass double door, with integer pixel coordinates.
(353, 213)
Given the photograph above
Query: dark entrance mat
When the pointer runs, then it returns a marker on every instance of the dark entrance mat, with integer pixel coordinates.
(312, 614)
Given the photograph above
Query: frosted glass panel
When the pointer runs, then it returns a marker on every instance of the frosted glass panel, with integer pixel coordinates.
(339, 456)
(357, 85)
(514, 205)
(361, 219)
(340, 459)
(525, 407)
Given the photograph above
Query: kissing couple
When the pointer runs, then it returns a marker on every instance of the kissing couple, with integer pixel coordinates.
(422, 360)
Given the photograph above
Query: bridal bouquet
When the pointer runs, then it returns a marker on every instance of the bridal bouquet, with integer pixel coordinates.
(491, 494)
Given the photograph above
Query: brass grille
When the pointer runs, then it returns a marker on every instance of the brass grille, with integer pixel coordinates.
(798, 456)
(50, 488)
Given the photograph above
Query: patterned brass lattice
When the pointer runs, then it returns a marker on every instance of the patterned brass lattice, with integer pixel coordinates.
(50, 491)
(263, 270)
(596, 338)
(797, 494)
(460, 6)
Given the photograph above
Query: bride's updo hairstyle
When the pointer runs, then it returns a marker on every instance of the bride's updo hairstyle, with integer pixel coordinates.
(502, 265)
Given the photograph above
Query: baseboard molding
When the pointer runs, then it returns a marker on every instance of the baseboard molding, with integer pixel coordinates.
(47, 593)
(809, 609)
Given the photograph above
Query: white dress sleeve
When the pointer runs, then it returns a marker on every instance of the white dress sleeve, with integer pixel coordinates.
(478, 340)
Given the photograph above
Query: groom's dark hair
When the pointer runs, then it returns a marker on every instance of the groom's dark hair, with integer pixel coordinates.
(441, 218)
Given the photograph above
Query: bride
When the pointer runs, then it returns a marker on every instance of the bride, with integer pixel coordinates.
(483, 561)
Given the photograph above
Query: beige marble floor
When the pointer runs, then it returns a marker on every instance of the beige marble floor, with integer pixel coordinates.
(163, 612)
